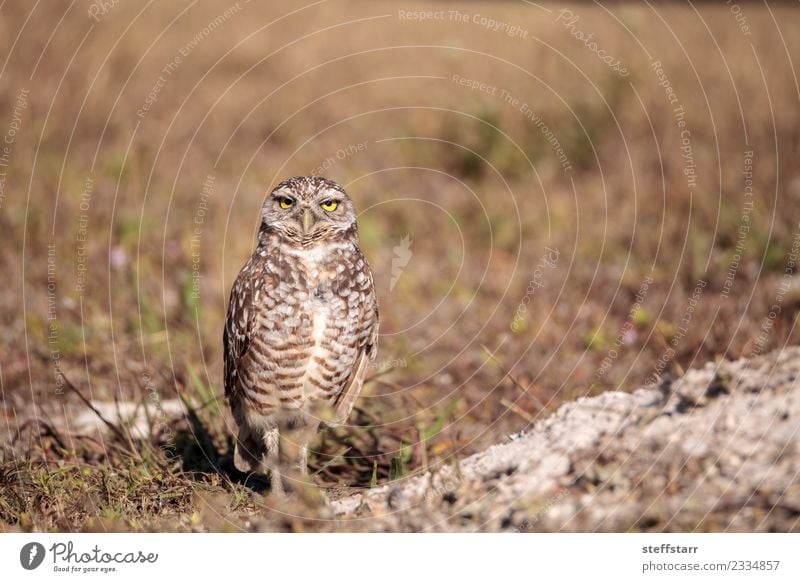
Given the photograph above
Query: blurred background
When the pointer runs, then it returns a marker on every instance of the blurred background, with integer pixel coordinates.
(556, 200)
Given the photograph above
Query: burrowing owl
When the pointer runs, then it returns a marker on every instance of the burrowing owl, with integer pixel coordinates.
(302, 324)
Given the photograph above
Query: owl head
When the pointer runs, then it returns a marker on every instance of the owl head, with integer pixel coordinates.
(307, 210)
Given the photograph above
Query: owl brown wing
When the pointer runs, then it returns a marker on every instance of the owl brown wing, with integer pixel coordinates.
(368, 349)
(242, 309)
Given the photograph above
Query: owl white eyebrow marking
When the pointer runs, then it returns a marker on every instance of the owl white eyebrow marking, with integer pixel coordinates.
(330, 192)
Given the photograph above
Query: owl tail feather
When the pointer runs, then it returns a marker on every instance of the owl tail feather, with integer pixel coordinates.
(250, 451)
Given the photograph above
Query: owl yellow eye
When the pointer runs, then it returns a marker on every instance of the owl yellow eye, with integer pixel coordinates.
(329, 205)
(285, 202)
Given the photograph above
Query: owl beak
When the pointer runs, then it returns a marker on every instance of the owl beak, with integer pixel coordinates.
(308, 220)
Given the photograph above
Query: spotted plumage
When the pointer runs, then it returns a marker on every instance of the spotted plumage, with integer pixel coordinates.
(302, 325)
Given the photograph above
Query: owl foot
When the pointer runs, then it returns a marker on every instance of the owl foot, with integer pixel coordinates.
(296, 486)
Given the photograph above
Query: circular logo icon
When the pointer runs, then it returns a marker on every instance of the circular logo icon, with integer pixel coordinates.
(31, 555)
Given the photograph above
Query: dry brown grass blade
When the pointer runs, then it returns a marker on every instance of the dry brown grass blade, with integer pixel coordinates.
(514, 407)
(111, 426)
(517, 383)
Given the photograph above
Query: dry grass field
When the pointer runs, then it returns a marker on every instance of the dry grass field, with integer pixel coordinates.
(556, 201)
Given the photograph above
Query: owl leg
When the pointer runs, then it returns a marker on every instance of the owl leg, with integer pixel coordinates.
(270, 460)
(293, 452)
(249, 450)
(256, 450)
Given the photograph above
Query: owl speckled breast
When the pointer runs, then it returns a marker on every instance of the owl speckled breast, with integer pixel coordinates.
(313, 334)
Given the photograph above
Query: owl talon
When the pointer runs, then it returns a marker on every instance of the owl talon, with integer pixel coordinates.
(297, 487)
